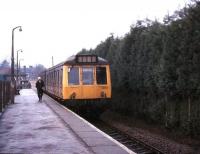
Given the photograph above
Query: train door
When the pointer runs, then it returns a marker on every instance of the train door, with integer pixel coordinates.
(61, 83)
(88, 82)
(58, 82)
(103, 88)
(73, 90)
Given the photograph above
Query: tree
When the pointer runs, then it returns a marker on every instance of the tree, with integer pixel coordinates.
(37, 70)
(4, 64)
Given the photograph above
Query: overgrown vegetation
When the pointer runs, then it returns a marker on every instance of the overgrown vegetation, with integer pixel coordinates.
(156, 70)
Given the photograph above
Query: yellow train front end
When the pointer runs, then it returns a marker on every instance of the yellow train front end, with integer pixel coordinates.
(86, 82)
(86, 79)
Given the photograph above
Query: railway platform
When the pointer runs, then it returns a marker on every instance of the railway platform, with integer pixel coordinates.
(29, 126)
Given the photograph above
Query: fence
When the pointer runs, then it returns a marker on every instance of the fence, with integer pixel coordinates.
(4, 94)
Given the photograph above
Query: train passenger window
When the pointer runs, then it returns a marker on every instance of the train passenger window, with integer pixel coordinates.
(84, 59)
(101, 75)
(88, 75)
(89, 59)
(73, 76)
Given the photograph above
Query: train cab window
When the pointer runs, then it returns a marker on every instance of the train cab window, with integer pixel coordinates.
(73, 76)
(101, 75)
(88, 77)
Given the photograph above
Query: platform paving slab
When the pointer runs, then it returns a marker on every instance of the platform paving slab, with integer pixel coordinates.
(29, 126)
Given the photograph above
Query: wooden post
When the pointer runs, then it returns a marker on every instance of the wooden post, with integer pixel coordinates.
(1, 97)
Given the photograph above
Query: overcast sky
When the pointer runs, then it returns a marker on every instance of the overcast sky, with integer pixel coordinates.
(61, 28)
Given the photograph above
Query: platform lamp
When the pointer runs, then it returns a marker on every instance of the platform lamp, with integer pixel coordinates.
(13, 83)
(20, 67)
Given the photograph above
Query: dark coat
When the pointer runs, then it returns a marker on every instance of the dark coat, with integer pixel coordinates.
(39, 84)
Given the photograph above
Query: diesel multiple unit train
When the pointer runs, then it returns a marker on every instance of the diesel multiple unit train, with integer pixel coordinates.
(81, 78)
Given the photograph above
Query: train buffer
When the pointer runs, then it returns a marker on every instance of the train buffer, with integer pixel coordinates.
(29, 126)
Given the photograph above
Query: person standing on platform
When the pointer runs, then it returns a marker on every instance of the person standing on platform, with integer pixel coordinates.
(40, 85)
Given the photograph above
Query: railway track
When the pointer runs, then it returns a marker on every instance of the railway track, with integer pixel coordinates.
(130, 142)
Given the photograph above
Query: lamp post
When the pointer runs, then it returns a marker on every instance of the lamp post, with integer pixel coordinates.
(18, 65)
(12, 65)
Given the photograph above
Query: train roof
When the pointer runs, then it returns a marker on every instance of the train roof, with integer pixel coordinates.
(83, 60)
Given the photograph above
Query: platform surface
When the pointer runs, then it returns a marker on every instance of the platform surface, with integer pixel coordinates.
(29, 126)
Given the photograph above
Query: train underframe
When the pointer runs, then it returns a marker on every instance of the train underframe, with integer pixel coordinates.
(90, 108)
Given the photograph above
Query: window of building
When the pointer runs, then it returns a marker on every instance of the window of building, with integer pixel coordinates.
(73, 76)
(88, 75)
(101, 75)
